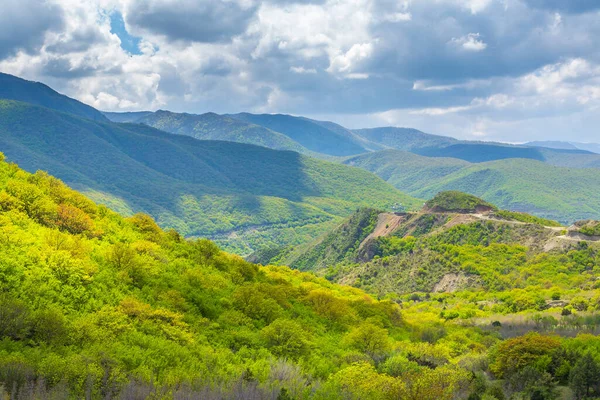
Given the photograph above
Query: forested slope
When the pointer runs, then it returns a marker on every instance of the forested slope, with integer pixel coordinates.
(561, 193)
(202, 188)
(211, 126)
(95, 305)
(315, 136)
(14, 88)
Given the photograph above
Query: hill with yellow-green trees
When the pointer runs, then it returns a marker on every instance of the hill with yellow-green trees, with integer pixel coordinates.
(97, 306)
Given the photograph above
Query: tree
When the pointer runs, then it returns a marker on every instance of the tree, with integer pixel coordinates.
(73, 220)
(370, 339)
(584, 376)
(286, 338)
(361, 381)
(534, 384)
(515, 354)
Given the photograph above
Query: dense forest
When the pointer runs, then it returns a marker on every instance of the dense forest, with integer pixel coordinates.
(566, 191)
(95, 305)
(243, 196)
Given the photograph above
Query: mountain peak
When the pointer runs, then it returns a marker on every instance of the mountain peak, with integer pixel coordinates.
(15, 88)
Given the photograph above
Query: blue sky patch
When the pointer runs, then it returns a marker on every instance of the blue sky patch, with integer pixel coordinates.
(130, 44)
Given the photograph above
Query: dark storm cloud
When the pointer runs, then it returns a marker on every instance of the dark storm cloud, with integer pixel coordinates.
(24, 23)
(206, 21)
(439, 60)
(517, 40)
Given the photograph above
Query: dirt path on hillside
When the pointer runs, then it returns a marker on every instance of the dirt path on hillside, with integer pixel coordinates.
(386, 224)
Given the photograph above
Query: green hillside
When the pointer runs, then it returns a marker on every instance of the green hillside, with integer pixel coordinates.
(435, 146)
(396, 255)
(458, 202)
(560, 193)
(247, 196)
(564, 194)
(407, 170)
(404, 138)
(315, 136)
(13, 88)
(212, 126)
(342, 243)
(97, 306)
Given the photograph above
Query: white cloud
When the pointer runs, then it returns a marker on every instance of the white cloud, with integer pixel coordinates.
(397, 17)
(478, 6)
(470, 42)
(428, 86)
(441, 111)
(429, 61)
(302, 70)
(347, 63)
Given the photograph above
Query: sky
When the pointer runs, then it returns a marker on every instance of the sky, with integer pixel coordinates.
(505, 70)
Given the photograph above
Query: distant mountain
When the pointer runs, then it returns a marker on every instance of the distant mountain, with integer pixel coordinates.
(124, 117)
(481, 152)
(592, 147)
(407, 170)
(13, 88)
(404, 138)
(363, 142)
(211, 126)
(435, 146)
(561, 193)
(552, 145)
(243, 195)
(313, 135)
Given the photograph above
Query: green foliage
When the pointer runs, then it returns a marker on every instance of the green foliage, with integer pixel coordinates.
(584, 378)
(516, 354)
(313, 135)
(526, 218)
(563, 188)
(94, 305)
(370, 339)
(454, 201)
(591, 228)
(340, 244)
(243, 196)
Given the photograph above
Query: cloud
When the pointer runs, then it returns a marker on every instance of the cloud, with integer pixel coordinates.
(25, 23)
(569, 6)
(397, 17)
(441, 111)
(348, 61)
(205, 21)
(441, 65)
(302, 70)
(470, 42)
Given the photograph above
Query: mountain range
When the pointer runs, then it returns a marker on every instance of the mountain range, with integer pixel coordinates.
(203, 188)
(526, 185)
(371, 293)
(253, 181)
(591, 147)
